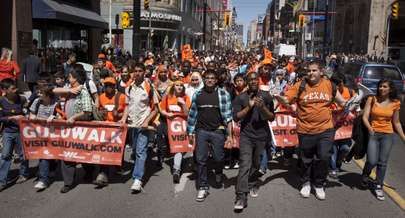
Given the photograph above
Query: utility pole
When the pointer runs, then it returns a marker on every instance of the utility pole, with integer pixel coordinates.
(325, 31)
(150, 31)
(136, 28)
(313, 30)
(204, 23)
(110, 24)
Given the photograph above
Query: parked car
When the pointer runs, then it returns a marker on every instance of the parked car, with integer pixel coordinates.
(369, 74)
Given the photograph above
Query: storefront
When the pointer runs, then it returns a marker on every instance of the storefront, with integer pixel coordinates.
(63, 24)
(164, 29)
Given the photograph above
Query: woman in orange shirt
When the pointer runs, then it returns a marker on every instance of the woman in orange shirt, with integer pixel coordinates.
(381, 117)
(8, 67)
(175, 103)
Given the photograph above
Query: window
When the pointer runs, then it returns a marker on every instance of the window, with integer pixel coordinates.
(379, 72)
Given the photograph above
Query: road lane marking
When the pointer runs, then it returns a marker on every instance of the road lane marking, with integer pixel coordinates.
(400, 201)
(182, 184)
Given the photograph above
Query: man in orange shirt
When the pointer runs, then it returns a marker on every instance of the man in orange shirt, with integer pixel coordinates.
(314, 96)
(113, 104)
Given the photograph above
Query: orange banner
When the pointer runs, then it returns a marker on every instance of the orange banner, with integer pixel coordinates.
(284, 130)
(82, 142)
(186, 53)
(178, 138)
(285, 134)
(235, 134)
(268, 55)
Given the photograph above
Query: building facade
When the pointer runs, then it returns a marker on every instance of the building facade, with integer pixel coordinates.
(173, 23)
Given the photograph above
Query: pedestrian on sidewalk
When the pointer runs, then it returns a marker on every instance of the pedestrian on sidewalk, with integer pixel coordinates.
(381, 117)
(253, 108)
(210, 123)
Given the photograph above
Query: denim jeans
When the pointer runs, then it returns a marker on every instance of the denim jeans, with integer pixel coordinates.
(11, 141)
(340, 149)
(178, 158)
(203, 140)
(378, 151)
(140, 146)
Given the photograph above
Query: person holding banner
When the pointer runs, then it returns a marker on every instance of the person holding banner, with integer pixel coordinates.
(46, 108)
(210, 122)
(141, 109)
(112, 104)
(253, 108)
(175, 103)
(11, 109)
(78, 106)
(314, 96)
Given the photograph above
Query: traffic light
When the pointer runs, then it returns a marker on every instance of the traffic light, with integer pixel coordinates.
(227, 19)
(146, 4)
(125, 20)
(395, 10)
(301, 20)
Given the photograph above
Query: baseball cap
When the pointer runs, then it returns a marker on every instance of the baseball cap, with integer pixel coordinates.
(110, 80)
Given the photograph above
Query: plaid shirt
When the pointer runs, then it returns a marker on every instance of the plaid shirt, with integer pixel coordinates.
(225, 107)
(83, 103)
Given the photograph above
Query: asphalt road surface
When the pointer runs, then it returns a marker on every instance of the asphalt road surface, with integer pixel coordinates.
(278, 196)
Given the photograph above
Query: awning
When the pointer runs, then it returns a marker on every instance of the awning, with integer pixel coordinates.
(49, 9)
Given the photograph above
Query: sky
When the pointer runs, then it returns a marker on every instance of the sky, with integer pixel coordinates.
(248, 10)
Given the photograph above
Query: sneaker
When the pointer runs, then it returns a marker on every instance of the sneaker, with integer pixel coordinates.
(66, 189)
(306, 190)
(176, 177)
(40, 185)
(333, 174)
(227, 167)
(261, 172)
(254, 192)
(320, 193)
(137, 185)
(236, 166)
(379, 193)
(101, 179)
(201, 195)
(21, 179)
(240, 204)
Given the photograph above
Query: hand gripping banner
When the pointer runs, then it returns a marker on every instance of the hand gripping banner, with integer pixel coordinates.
(82, 142)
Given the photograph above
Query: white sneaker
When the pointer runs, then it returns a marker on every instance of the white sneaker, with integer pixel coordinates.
(201, 195)
(40, 185)
(236, 166)
(137, 185)
(320, 193)
(379, 193)
(306, 190)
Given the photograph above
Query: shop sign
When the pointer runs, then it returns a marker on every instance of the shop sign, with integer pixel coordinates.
(160, 16)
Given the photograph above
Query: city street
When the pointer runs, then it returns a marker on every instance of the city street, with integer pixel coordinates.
(278, 196)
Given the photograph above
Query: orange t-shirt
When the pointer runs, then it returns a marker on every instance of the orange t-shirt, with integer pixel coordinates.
(381, 116)
(290, 68)
(187, 79)
(313, 107)
(169, 103)
(109, 65)
(109, 105)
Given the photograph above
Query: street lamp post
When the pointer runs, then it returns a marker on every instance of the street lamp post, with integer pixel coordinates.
(110, 24)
